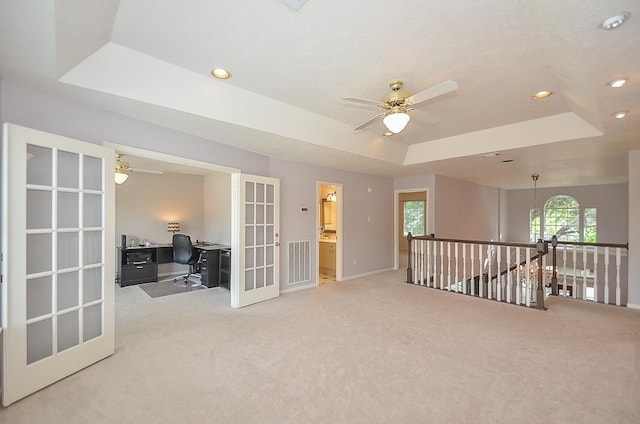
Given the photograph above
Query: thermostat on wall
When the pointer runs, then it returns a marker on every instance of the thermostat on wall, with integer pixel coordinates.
(304, 209)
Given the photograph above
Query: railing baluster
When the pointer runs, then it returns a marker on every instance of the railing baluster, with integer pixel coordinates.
(428, 265)
(455, 250)
(575, 268)
(498, 276)
(422, 243)
(606, 275)
(618, 300)
(564, 273)
(473, 265)
(518, 279)
(464, 268)
(595, 274)
(449, 266)
(527, 278)
(509, 275)
(441, 265)
(489, 279)
(584, 272)
(481, 266)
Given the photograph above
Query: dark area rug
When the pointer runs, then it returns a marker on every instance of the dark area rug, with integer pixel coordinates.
(166, 288)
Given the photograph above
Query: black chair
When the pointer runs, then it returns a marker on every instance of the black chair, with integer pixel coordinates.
(184, 253)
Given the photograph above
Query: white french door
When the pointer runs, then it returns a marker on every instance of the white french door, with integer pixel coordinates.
(255, 217)
(58, 258)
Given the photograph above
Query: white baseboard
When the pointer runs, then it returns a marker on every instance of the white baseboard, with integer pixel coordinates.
(302, 287)
(366, 274)
(632, 306)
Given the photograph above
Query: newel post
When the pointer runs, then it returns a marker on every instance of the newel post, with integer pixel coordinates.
(409, 270)
(554, 278)
(543, 249)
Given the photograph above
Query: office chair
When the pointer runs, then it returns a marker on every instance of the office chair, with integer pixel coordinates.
(184, 253)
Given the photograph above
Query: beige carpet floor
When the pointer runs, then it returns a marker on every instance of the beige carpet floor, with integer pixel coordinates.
(372, 350)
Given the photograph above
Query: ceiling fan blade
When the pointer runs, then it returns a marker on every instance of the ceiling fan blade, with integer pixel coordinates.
(364, 101)
(369, 121)
(433, 92)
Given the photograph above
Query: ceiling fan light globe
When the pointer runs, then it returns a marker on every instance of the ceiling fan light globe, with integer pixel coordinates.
(396, 122)
(121, 177)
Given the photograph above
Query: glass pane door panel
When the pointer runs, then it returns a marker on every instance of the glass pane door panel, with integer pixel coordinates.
(269, 229)
(68, 210)
(39, 340)
(249, 283)
(259, 193)
(38, 253)
(92, 247)
(269, 257)
(249, 214)
(39, 209)
(249, 195)
(269, 276)
(270, 215)
(260, 214)
(259, 278)
(39, 292)
(92, 177)
(68, 330)
(92, 213)
(259, 235)
(92, 284)
(68, 250)
(68, 290)
(39, 165)
(92, 322)
(68, 169)
(248, 258)
(248, 238)
(260, 256)
(270, 198)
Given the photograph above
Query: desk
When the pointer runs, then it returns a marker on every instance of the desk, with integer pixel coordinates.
(139, 264)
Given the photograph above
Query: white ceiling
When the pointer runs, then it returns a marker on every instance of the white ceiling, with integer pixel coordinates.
(151, 59)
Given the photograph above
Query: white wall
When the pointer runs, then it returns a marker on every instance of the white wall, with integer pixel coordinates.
(217, 209)
(634, 229)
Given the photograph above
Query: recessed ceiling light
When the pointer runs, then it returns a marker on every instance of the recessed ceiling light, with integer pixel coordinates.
(541, 95)
(221, 73)
(617, 83)
(620, 115)
(388, 134)
(615, 21)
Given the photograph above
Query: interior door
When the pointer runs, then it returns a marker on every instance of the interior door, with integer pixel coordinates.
(255, 242)
(58, 258)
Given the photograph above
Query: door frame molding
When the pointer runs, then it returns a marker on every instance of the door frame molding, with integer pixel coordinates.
(396, 220)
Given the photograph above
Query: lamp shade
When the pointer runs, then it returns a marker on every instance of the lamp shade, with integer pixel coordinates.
(121, 177)
(173, 227)
(396, 121)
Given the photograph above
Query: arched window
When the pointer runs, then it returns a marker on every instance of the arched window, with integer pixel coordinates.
(562, 218)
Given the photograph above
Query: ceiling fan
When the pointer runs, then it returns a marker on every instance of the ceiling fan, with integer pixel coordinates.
(398, 103)
(122, 167)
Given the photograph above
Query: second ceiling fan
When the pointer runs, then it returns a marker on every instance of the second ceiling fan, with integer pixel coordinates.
(398, 103)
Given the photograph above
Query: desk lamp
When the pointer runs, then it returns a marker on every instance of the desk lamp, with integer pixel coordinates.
(173, 227)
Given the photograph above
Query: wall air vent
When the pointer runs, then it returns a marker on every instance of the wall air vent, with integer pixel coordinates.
(294, 4)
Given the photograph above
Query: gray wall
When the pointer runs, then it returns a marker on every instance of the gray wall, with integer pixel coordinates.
(466, 210)
(634, 229)
(611, 200)
(369, 243)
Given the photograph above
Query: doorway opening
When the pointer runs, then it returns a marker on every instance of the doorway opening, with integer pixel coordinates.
(410, 216)
(329, 220)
